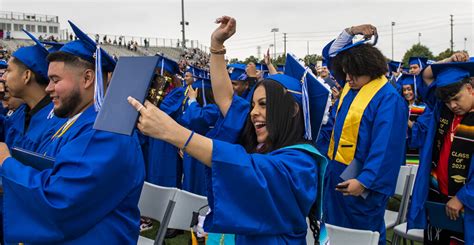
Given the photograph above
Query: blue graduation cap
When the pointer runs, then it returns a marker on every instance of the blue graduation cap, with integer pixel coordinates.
(280, 68)
(167, 65)
(54, 46)
(372, 41)
(393, 66)
(308, 91)
(3, 64)
(324, 62)
(237, 72)
(87, 49)
(407, 79)
(420, 61)
(202, 83)
(34, 57)
(471, 59)
(448, 73)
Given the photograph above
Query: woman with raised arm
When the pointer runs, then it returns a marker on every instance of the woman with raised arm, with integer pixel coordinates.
(263, 188)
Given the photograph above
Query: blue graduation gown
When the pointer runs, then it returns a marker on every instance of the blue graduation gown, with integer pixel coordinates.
(163, 164)
(262, 198)
(199, 119)
(416, 216)
(90, 196)
(380, 148)
(43, 124)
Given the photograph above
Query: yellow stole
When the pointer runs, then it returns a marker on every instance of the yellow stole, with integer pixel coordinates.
(350, 130)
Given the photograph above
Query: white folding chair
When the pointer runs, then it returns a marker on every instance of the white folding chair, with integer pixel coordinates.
(343, 236)
(400, 230)
(185, 204)
(156, 203)
(393, 218)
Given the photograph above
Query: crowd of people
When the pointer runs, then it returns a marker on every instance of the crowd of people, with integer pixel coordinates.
(268, 146)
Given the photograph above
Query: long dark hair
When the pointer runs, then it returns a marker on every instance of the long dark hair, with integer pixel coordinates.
(284, 120)
(207, 94)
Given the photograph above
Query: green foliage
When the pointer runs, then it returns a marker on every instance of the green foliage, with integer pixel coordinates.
(234, 60)
(312, 59)
(280, 60)
(417, 50)
(445, 54)
(251, 59)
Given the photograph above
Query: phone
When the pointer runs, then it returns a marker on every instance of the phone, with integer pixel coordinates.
(342, 186)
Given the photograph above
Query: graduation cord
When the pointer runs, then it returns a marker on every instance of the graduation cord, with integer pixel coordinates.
(313, 224)
(63, 129)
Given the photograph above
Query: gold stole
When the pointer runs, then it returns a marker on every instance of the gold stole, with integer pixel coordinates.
(350, 130)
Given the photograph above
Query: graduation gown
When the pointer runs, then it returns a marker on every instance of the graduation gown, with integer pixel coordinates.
(90, 196)
(43, 124)
(163, 164)
(416, 216)
(199, 119)
(380, 148)
(262, 198)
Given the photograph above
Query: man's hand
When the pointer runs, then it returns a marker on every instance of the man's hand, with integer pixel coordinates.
(453, 207)
(350, 187)
(367, 30)
(4, 152)
(459, 57)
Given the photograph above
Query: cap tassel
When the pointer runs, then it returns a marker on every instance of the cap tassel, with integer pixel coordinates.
(203, 93)
(99, 81)
(305, 103)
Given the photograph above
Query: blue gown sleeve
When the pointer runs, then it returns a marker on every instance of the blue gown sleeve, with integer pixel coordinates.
(173, 101)
(260, 194)
(326, 131)
(466, 196)
(420, 129)
(388, 136)
(199, 118)
(63, 203)
(228, 128)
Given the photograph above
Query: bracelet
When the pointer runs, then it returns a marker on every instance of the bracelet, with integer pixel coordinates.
(218, 51)
(187, 141)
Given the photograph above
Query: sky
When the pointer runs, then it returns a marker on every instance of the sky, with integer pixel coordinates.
(308, 25)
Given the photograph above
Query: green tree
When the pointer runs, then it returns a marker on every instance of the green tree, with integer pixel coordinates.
(234, 60)
(312, 59)
(280, 60)
(417, 50)
(251, 59)
(445, 54)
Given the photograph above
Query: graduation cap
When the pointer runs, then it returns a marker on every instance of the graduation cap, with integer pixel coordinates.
(54, 46)
(407, 79)
(420, 61)
(280, 68)
(237, 72)
(372, 41)
(394, 66)
(312, 96)
(449, 73)
(3, 64)
(202, 83)
(34, 57)
(167, 65)
(87, 49)
(471, 59)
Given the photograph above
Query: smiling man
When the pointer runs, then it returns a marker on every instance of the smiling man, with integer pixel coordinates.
(90, 195)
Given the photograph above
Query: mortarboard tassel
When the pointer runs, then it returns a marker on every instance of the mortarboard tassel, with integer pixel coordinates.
(99, 82)
(305, 103)
(203, 94)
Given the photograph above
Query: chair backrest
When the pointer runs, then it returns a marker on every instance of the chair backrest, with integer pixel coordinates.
(154, 200)
(405, 171)
(185, 204)
(343, 236)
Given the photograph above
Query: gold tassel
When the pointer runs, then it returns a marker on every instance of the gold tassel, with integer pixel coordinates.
(193, 238)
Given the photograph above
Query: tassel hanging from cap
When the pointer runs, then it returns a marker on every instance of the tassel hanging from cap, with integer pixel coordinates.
(305, 104)
(99, 81)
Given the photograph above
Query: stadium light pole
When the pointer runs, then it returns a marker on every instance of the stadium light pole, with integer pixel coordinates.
(183, 24)
(393, 24)
(274, 30)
